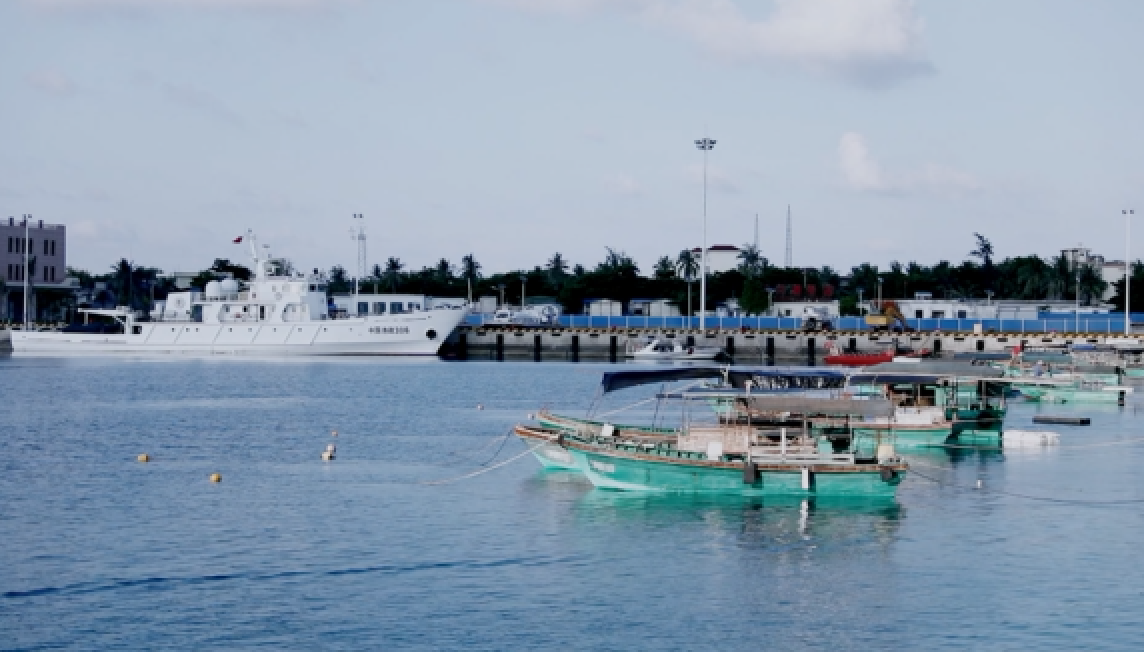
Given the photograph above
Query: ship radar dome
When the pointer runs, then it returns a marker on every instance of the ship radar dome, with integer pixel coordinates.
(213, 290)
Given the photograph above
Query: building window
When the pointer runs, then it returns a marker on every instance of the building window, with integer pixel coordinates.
(45, 247)
(10, 243)
(10, 272)
(53, 247)
(45, 273)
(31, 245)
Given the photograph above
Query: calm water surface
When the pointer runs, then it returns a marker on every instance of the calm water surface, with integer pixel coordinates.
(100, 551)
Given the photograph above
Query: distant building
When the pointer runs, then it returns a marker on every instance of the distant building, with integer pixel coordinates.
(44, 248)
(1112, 271)
(653, 308)
(603, 308)
(720, 258)
(821, 309)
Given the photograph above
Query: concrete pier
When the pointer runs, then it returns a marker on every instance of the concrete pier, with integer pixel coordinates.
(745, 347)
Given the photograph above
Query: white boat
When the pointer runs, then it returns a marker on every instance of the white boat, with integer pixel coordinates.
(670, 349)
(278, 312)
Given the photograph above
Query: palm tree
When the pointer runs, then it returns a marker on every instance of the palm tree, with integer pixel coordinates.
(664, 269)
(751, 261)
(375, 275)
(984, 251)
(444, 270)
(471, 271)
(393, 268)
(687, 264)
(557, 270)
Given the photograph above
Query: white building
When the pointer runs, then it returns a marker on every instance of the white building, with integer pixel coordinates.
(820, 309)
(603, 308)
(923, 306)
(653, 308)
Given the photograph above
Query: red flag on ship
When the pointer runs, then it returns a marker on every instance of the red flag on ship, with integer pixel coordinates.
(238, 239)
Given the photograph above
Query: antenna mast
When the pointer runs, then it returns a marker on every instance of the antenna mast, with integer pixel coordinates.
(357, 232)
(789, 251)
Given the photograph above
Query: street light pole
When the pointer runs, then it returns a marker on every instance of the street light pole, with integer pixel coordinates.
(860, 308)
(523, 278)
(1128, 269)
(27, 223)
(706, 145)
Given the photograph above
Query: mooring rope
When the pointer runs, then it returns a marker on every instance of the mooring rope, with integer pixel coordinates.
(1025, 495)
(482, 470)
(646, 400)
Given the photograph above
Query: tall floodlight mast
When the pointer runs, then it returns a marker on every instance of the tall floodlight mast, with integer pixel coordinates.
(706, 145)
(1128, 213)
(357, 232)
(789, 261)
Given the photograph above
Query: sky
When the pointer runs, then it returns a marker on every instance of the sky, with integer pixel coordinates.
(159, 130)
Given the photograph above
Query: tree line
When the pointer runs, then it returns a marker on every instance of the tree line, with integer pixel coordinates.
(755, 282)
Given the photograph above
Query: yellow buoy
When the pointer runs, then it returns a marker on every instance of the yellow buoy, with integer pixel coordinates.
(215, 477)
(144, 457)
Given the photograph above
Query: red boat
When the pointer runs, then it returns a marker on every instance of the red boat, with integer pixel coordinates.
(865, 359)
(859, 359)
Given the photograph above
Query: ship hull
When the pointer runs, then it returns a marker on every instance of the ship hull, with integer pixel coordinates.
(416, 334)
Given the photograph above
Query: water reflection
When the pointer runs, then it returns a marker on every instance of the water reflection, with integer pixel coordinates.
(771, 522)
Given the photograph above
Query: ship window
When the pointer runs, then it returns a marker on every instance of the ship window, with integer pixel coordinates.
(961, 314)
(363, 308)
(313, 288)
(918, 314)
(379, 308)
(395, 307)
(937, 314)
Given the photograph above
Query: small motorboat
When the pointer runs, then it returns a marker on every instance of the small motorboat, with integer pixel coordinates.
(836, 357)
(670, 349)
(858, 359)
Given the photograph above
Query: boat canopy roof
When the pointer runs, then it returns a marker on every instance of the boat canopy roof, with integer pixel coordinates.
(981, 355)
(614, 380)
(903, 378)
(938, 368)
(738, 377)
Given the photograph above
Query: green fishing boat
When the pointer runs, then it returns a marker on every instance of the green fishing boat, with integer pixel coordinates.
(748, 457)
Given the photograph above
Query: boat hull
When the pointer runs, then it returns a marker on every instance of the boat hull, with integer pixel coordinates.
(624, 473)
(415, 334)
(857, 359)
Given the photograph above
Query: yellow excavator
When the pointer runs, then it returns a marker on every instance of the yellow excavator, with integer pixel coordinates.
(884, 321)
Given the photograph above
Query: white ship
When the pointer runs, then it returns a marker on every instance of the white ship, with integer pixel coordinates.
(278, 312)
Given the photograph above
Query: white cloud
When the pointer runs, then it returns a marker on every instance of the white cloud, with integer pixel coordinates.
(625, 185)
(862, 172)
(52, 82)
(874, 42)
(717, 178)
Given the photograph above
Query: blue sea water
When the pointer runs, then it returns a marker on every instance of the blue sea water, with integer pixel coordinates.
(100, 551)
